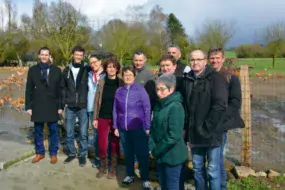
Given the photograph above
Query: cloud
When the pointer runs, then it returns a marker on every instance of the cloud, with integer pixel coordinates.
(104, 9)
(250, 15)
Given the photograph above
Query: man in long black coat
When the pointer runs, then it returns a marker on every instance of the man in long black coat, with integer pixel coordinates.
(43, 103)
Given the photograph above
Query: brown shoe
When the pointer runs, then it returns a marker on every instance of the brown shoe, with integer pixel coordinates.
(103, 167)
(113, 168)
(38, 158)
(53, 159)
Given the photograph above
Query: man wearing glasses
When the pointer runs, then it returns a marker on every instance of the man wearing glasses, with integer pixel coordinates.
(205, 96)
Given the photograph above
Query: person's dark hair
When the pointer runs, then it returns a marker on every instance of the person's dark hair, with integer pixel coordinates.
(97, 56)
(113, 61)
(168, 58)
(110, 56)
(174, 46)
(216, 49)
(78, 48)
(139, 52)
(44, 48)
(128, 68)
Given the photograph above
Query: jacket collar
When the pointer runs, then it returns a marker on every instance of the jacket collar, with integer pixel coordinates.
(207, 71)
(130, 86)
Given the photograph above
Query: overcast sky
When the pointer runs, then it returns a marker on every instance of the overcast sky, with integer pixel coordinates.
(250, 16)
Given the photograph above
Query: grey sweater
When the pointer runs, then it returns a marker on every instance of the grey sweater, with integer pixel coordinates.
(144, 75)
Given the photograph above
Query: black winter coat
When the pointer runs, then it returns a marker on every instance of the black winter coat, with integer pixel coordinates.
(44, 101)
(232, 118)
(205, 100)
(179, 68)
(75, 96)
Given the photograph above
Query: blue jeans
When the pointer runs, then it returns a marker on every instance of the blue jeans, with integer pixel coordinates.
(53, 138)
(169, 177)
(135, 143)
(199, 156)
(90, 117)
(70, 116)
(222, 164)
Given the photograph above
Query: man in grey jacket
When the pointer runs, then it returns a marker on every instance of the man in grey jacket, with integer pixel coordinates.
(143, 74)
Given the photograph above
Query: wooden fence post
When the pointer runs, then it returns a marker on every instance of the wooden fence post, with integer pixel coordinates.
(246, 116)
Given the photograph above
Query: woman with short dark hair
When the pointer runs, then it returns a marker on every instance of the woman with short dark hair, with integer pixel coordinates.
(131, 116)
(103, 118)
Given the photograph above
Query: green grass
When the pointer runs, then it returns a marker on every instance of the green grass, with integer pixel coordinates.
(263, 65)
(230, 54)
(257, 64)
(253, 183)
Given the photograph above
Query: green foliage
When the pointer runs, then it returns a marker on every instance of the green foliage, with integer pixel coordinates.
(59, 26)
(255, 183)
(175, 29)
(214, 33)
(177, 35)
(252, 51)
(275, 37)
(250, 183)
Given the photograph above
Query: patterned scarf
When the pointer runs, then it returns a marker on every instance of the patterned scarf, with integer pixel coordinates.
(44, 74)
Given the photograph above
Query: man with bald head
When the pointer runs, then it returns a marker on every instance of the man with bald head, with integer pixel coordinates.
(205, 95)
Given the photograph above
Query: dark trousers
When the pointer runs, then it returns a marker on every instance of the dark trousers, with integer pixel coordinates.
(135, 143)
(53, 138)
(170, 177)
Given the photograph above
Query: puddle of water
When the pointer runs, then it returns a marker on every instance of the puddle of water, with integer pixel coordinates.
(260, 116)
(278, 124)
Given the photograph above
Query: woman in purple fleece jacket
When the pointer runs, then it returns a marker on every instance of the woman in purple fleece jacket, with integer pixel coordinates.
(131, 120)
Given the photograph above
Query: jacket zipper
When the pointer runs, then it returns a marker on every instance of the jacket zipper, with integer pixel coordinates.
(76, 100)
(126, 108)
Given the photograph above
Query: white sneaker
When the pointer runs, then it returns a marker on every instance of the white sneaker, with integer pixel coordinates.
(128, 180)
(146, 185)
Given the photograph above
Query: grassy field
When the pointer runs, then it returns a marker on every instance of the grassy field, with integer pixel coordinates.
(258, 65)
(263, 65)
(230, 54)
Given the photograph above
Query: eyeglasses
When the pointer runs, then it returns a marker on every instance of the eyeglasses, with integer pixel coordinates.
(161, 89)
(128, 75)
(196, 60)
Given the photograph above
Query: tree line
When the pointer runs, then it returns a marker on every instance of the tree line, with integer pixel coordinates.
(60, 26)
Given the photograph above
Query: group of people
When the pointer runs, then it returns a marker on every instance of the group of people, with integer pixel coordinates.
(144, 115)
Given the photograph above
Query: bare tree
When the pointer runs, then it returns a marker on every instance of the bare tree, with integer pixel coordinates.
(215, 32)
(59, 26)
(275, 39)
(120, 37)
(157, 32)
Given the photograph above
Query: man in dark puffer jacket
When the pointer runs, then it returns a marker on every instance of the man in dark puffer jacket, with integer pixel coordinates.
(74, 90)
